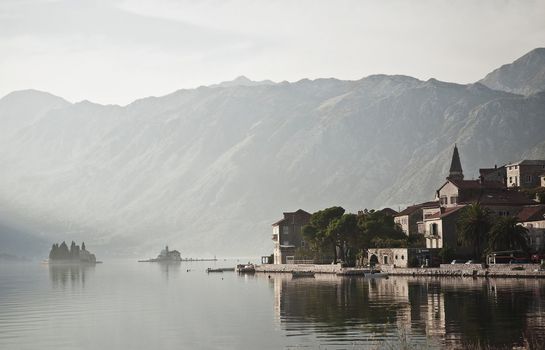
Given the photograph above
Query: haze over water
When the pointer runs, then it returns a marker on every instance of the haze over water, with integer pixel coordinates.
(127, 305)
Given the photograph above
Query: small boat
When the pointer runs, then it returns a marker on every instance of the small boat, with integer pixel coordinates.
(376, 274)
(363, 273)
(221, 269)
(353, 272)
(299, 274)
(246, 268)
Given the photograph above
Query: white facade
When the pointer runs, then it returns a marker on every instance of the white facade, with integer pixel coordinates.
(536, 234)
(448, 195)
(434, 233)
(403, 222)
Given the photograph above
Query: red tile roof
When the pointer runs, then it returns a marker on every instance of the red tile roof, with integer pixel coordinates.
(388, 211)
(532, 213)
(476, 184)
(501, 198)
(278, 222)
(445, 212)
(411, 209)
(288, 214)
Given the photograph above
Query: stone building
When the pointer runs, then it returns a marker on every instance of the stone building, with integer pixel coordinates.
(533, 218)
(287, 235)
(440, 228)
(401, 257)
(525, 173)
(496, 174)
(409, 218)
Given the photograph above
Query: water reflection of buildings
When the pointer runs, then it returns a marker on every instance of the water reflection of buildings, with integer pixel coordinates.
(169, 268)
(74, 274)
(454, 311)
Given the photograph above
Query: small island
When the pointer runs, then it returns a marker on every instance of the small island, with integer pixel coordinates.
(61, 254)
(166, 255)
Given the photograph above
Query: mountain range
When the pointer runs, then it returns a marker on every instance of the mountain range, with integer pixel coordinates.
(207, 170)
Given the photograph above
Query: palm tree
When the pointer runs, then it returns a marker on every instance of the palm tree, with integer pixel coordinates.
(474, 227)
(506, 234)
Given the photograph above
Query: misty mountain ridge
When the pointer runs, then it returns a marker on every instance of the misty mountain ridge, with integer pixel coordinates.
(207, 170)
(524, 76)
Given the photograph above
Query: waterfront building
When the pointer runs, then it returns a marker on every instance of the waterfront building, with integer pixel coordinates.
(287, 235)
(399, 257)
(440, 228)
(533, 218)
(409, 218)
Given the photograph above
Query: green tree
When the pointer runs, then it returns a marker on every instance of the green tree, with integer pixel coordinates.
(446, 254)
(473, 228)
(506, 234)
(317, 233)
(380, 230)
(345, 232)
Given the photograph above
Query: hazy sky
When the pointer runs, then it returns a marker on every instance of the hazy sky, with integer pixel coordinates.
(115, 51)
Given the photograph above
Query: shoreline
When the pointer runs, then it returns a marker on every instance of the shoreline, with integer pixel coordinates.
(445, 270)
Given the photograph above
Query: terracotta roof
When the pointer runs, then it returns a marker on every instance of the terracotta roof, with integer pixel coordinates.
(529, 162)
(388, 211)
(476, 184)
(411, 209)
(445, 212)
(532, 213)
(298, 211)
(278, 222)
(288, 214)
(486, 171)
(501, 198)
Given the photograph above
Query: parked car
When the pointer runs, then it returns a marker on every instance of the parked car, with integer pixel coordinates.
(520, 261)
(457, 261)
(536, 258)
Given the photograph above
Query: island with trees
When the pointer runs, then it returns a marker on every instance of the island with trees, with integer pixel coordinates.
(60, 253)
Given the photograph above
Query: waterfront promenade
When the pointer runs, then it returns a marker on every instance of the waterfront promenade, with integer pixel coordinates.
(454, 270)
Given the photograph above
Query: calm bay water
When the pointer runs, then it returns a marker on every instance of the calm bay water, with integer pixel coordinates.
(130, 305)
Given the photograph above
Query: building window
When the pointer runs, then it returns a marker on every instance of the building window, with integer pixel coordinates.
(528, 178)
(403, 257)
(396, 257)
(433, 229)
(453, 199)
(510, 179)
(516, 166)
(444, 200)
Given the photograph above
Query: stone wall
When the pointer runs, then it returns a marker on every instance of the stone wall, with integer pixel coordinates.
(299, 267)
(476, 270)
